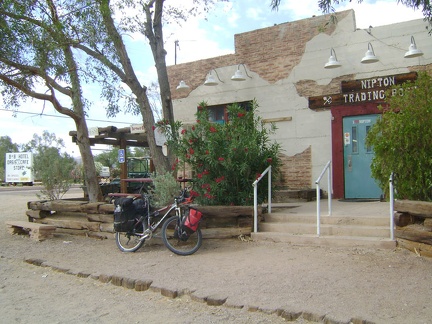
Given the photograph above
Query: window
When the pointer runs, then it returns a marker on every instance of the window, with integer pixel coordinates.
(218, 113)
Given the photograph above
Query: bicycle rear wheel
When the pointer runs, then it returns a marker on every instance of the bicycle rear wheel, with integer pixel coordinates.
(130, 241)
(173, 242)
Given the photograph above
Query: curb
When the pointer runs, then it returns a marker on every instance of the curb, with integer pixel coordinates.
(210, 300)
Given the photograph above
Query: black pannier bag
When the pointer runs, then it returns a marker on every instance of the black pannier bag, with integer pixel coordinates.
(126, 211)
(189, 223)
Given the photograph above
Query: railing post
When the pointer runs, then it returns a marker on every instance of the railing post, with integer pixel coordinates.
(255, 207)
(318, 197)
(329, 190)
(269, 191)
(391, 189)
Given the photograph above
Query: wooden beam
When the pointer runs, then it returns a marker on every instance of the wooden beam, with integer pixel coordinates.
(277, 119)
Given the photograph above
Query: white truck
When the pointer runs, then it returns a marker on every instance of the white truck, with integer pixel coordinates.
(19, 168)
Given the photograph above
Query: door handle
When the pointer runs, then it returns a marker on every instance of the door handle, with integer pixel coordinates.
(349, 162)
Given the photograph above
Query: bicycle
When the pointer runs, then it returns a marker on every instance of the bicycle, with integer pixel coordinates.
(173, 233)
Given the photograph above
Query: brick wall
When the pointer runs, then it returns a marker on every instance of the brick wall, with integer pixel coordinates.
(270, 52)
(296, 171)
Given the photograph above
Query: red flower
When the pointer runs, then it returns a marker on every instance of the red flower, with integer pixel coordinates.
(206, 172)
(198, 121)
(213, 129)
(207, 152)
(193, 128)
(194, 193)
(240, 115)
(191, 150)
(153, 127)
(199, 175)
(218, 180)
(183, 131)
(200, 108)
(270, 160)
(221, 159)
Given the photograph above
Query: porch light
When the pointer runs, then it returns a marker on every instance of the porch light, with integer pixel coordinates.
(211, 81)
(332, 62)
(238, 75)
(182, 86)
(370, 55)
(412, 50)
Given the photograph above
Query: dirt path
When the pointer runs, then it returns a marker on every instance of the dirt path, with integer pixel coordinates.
(335, 285)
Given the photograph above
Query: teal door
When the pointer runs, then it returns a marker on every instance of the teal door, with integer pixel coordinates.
(358, 157)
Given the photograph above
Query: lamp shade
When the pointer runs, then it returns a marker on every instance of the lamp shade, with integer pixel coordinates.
(210, 81)
(370, 55)
(182, 86)
(238, 76)
(332, 62)
(412, 50)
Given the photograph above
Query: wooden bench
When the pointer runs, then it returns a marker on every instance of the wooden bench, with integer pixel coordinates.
(38, 232)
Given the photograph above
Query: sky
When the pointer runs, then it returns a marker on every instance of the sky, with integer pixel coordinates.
(198, 38)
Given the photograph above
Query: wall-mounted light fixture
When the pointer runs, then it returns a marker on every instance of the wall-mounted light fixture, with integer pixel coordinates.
(332, 62)
(210, 80)
(238, 75)
(182, 86)
(412, 50)
(369, 56)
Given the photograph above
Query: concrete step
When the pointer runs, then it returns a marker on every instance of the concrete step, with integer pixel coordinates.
(286, 217)
(324, 240)
(326, 229)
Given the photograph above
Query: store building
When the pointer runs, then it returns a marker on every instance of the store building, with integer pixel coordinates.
(322, 114)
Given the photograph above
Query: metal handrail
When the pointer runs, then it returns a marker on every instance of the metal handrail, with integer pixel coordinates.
(391, 190)
(318, 194)
(255, 185)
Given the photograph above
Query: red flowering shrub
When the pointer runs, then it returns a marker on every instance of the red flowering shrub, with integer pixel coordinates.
(226, 158)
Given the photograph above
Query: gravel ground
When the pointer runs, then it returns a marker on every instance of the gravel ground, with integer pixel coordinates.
(64, 281)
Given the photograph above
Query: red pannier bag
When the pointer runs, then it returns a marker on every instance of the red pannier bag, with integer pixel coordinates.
(192, 219)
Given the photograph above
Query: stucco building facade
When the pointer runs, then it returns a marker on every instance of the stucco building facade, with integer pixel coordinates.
(322, 114)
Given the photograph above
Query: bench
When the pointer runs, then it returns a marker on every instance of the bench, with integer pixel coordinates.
(38, 232)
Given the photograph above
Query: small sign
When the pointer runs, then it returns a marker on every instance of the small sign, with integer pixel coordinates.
(347, 138)
(121, 156)
(137, 129)
(160, 138)
(93, 131)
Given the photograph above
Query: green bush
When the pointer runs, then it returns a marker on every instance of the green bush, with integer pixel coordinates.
(165, 188)
(402, 139)
(225, 158)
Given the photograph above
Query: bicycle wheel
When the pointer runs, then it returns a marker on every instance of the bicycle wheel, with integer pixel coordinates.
(130, 241)
(172, 241)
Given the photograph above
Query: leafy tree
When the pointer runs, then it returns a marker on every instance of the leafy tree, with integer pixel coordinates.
(51, 166)
(401, 140)
(225, 158)
(37, 61)
(6, 146)
(45, 30)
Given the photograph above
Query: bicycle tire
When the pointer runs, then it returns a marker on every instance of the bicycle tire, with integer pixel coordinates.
(130, 241)
(174, 244)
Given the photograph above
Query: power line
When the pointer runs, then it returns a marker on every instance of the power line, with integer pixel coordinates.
(56, 116)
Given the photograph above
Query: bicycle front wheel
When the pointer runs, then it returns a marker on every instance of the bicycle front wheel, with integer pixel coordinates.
(130, 241)
(174, 243)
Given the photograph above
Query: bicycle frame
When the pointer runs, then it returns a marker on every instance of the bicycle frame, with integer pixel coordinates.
(151, 228)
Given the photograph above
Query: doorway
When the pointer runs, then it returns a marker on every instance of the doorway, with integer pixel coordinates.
(358, 181)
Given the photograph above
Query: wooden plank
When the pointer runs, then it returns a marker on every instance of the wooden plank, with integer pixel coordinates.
(38, 213)
(102, 218)
(106, 209)
(419, 208)
(415, 233)
(70, 231)
(420, 249)
(277, 119)
(71, 223)
(38, 232)
(403, 219)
